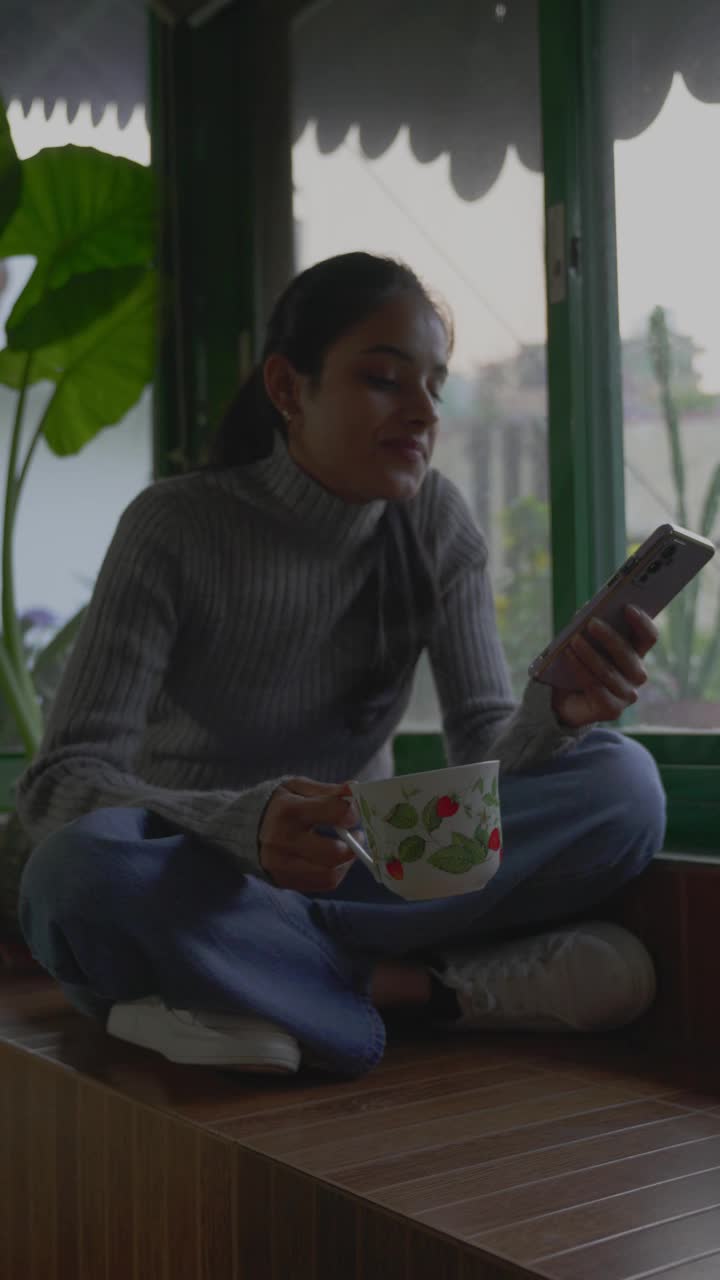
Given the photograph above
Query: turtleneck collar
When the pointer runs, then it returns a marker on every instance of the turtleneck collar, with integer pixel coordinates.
(314, 506)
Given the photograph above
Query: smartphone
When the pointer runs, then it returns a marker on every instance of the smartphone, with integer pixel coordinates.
(649, 579)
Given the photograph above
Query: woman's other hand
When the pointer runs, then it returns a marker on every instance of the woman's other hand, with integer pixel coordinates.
(609, 670)
(292, 853)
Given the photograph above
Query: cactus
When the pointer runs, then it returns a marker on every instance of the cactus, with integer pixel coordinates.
(685, 673)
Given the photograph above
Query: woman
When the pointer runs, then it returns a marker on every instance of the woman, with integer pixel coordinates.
(249, 648)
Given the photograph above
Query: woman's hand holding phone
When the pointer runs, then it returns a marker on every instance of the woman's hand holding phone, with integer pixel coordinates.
(594, 664)
(608, 667)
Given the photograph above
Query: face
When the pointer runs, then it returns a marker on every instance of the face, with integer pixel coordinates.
(367, 428)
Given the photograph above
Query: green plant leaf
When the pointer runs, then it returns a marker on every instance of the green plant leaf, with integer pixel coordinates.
(711, 655)
(10, 172)
(403, 816)
(455, 860)
(489, 799)
(430, 818)
(81, 210)
(411, 849)
(481, 836)
(711, 505)
(84, 298)
(12, 363)
(103, 371)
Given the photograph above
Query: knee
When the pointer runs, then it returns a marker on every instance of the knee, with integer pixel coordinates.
(632, 794)
(58, 863)
(68, 868)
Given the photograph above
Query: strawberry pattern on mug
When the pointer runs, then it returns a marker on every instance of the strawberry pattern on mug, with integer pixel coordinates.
(447, 806)
(428, 833)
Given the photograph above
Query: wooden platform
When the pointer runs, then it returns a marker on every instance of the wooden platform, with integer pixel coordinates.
(480, 1159)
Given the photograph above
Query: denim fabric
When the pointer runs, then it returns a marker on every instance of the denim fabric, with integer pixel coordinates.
(117, 905)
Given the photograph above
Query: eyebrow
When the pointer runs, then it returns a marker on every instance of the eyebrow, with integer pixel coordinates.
(385, 348)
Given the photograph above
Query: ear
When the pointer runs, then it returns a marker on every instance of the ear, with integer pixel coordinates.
(283, 384)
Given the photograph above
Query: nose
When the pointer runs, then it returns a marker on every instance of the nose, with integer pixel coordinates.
(423, 408)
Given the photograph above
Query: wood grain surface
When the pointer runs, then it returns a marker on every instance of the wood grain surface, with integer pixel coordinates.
(495, 1158)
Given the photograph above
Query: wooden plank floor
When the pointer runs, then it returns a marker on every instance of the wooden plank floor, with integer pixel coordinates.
(491, 1158)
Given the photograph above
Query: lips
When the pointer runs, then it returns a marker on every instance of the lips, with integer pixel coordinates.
(408, 446)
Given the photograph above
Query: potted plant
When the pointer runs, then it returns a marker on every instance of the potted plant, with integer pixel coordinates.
(85, 326)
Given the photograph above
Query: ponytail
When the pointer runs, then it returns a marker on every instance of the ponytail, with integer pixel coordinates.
(246, 431)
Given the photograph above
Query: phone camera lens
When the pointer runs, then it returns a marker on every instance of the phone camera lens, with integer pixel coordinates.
(653, 568)
(669, 552)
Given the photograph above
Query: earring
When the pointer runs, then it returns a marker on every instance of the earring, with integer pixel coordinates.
(286, 414)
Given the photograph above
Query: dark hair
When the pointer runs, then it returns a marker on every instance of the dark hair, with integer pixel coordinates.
(317, 308)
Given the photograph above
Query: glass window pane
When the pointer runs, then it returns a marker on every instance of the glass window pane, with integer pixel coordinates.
(425, 145)
(73, 74)
(664, 91)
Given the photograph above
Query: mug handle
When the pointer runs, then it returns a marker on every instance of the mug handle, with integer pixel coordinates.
(356, 847)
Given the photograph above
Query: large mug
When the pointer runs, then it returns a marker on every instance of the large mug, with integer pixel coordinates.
(430, 835)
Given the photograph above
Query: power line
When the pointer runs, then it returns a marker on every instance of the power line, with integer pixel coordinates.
(454, 266)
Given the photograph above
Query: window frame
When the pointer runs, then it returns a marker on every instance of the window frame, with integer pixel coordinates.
(584, 381)
(585, 415)
(207, 133)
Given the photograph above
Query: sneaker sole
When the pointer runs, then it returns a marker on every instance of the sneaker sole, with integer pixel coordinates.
(282, 1058)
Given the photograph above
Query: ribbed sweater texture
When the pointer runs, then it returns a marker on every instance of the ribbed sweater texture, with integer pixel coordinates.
(228, 628)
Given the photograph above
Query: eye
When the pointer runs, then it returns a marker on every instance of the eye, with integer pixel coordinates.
(376, 380)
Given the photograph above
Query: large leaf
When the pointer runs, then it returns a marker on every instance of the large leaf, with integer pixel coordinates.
(83, 299)
(43, 367)
(10, 172)
(104, 370)
(81, 210)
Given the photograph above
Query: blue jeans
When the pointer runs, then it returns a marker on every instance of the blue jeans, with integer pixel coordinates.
(119, 905)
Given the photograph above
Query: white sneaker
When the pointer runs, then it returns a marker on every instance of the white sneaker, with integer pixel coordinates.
(589, 977)
(238, 1041)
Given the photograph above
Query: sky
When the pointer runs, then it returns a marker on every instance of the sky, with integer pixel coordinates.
(486, 257)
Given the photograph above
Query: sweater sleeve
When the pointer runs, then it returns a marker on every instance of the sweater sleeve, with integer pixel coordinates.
(96, 727)
(480, 717)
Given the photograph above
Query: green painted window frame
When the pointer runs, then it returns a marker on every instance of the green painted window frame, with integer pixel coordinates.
(584, 380)
(208, 252)
(584, 390)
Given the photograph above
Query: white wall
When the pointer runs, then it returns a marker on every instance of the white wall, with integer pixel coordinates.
(70, 507)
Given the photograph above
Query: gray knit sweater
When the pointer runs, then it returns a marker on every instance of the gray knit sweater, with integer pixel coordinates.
(224, 636)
